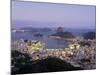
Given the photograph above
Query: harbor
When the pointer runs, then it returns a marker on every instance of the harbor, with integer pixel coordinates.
(75, 53)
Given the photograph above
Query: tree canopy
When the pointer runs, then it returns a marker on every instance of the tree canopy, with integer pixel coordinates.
(22, 63)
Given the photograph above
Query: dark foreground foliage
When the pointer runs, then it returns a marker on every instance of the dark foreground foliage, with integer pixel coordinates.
(22, 63)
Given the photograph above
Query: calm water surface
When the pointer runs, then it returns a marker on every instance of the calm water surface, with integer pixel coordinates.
(50, 42)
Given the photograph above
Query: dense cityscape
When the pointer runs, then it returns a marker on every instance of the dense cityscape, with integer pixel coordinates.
(52, 37)
(80, 52)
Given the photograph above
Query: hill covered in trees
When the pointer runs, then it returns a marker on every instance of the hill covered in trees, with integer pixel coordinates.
(23, 63)
(64, 34)
(89, 35)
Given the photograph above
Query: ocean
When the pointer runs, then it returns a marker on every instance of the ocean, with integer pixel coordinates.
(50, 42)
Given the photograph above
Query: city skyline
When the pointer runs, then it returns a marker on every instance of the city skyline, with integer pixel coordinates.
(37, 14)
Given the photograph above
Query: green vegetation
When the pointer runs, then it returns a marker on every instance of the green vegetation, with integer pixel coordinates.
(23, 63)
(64, 34)
(89, 35)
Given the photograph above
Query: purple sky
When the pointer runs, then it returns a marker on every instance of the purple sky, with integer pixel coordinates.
(52, 15)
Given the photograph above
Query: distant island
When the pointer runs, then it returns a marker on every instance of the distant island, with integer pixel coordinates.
(38, 35)
(63, 34)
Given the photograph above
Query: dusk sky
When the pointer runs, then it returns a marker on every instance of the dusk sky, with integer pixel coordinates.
(36, 14)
